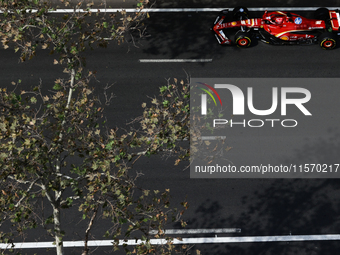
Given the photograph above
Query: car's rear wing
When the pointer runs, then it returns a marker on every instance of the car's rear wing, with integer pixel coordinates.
(335, 20)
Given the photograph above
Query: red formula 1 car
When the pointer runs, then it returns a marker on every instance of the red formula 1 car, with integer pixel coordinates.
(277, 27)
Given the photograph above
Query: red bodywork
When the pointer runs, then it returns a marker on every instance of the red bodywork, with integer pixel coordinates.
(283, 25)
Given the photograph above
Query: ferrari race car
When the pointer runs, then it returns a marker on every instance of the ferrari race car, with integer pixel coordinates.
(278, 28)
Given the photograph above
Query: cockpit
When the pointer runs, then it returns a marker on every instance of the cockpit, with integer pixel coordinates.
(278, 18)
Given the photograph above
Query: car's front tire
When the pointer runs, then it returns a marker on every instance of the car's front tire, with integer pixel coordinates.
(327, 41)
(240, 13)
(242, 39)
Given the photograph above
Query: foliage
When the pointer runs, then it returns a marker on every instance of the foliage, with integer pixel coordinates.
(167, 120)
(38, 159)
(30, 25)
(56, 148)
(170, 123)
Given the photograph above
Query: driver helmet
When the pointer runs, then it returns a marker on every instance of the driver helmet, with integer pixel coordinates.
(279, 20)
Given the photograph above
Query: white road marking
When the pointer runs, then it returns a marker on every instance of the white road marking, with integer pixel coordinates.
(200, 240)
(113, 10)
(209, 138)
(175, 60)
(197, 231)
(231, 8)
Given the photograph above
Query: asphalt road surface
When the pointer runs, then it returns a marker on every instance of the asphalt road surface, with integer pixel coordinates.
(257, 206)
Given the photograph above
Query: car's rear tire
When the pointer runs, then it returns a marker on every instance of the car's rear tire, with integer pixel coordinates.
(327, 41)
(322, 14)
(240, 13)
(242, 39)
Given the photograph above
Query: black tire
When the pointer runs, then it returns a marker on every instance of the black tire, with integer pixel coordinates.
(240, 13)
(224, 12)
(327, 41)
(242, 39)
(322, 14)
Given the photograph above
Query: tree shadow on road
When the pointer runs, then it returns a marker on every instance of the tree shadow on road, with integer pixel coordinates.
(283, 207)
(182, 35)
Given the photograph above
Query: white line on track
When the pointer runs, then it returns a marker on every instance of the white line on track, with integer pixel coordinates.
(197, 231)
(112, 10)
(175, 60)
(207, 138)
(230, 8)
(200, 240)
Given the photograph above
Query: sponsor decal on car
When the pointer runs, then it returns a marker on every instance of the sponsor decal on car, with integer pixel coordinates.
(222, 35)
(298, 21)
(285, 32)
(335, 20)
(252, 22)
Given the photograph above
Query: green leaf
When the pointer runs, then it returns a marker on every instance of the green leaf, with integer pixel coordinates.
(57, 86)
(109, 145)
(33, 100)
(44, 30)
(74, 50)
(163, 89)
(94, 166)
(117, 157)
(165, 103)
(69, 201)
